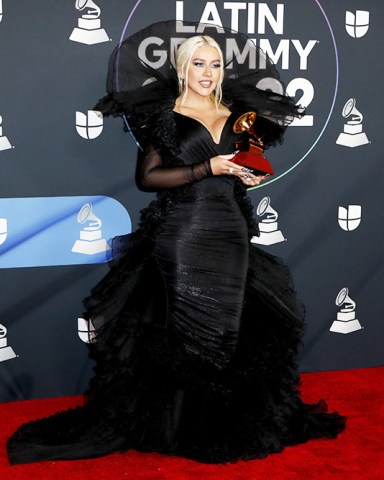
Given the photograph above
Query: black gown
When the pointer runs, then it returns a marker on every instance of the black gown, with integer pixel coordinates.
(198, 331)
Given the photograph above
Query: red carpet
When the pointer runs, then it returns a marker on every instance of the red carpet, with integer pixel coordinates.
(356, 455)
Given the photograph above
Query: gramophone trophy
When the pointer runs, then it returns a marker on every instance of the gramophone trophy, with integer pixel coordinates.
(250, 150)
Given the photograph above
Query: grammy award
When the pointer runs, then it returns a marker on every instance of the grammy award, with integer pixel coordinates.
(250, 150)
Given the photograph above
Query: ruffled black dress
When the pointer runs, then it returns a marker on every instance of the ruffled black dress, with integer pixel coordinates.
(198, 330)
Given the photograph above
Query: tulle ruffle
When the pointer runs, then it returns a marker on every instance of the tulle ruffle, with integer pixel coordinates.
(150, 394)
(141, 93)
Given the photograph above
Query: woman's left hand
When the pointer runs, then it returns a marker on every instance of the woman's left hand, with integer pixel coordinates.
(251, 180)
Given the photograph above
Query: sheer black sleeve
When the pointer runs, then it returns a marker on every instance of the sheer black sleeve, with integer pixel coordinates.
(155, 176)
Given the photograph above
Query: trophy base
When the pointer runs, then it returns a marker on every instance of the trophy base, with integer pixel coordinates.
(268, 238)
(90, 248)
(340, 326)
(4, 143)
(7, 353)
(89, 37)
(256, 162)
(348, 140)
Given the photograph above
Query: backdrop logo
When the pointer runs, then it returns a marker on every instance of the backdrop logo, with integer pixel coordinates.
(353, 135)
(1, 10)
(44, 231)
(268, 227)
(86, 330)
(3, 230)
(349, 218)
(357, 24)
(4, 142)
(6, 352)
(346, 318)
(88, 28)
(91, 241)
(89, 126)
(298, 54)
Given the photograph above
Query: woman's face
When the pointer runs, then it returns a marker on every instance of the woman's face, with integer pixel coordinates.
(204, 71)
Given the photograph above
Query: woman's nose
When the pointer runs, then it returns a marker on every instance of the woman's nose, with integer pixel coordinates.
(207, 72)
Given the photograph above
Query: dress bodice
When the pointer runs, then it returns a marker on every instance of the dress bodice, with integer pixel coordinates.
(196, 141)
(196, 145)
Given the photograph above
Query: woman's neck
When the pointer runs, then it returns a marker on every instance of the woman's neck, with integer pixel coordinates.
(195, 102)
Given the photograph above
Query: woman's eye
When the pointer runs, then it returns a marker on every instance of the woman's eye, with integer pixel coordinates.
(216, 65)
(198, 64)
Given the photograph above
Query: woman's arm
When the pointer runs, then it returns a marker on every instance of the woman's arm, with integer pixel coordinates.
(155, 176)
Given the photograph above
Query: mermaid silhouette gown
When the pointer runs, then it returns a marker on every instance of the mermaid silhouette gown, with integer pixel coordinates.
(198, 331)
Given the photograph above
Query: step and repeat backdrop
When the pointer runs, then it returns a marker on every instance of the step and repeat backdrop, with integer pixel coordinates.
(68, 175)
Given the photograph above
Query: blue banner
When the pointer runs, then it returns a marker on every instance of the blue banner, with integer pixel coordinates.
(49, 231)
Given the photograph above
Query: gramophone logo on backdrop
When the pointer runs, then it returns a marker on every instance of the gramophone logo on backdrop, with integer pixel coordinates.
(1, 10)
(88, 28)
(268, 227)
(346, 319)
(353, 135)
(91, 240)
(3, 230)
(86, 330)
(4, 142)
(45, 231)
(357, 24)
(349, 218)
(91, 125)
(6, 352)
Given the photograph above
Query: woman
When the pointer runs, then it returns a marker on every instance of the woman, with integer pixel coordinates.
(197, 330)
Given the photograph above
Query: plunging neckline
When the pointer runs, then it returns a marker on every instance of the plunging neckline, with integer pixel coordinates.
(206, 128)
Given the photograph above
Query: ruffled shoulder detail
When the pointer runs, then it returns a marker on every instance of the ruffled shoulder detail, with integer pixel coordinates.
(145, 95)
(275, 111)
(144, 109)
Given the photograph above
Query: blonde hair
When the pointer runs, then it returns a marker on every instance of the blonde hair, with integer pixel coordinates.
(183, 61)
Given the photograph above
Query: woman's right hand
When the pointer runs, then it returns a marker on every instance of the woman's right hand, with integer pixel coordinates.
(222, 165)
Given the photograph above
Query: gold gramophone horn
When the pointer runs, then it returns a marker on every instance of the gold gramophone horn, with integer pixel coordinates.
(250, 151)
(244, 122)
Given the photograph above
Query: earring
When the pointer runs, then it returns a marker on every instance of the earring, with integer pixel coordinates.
(181, 83)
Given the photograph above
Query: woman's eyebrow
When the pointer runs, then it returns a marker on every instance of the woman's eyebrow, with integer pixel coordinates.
(202, 60)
